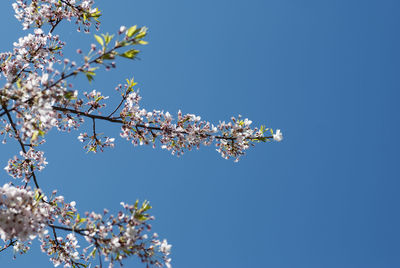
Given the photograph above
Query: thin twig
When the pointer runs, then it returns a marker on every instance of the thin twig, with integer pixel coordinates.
(55, 235)
(78, 231)
(54, 25)
(119, 105)
(12, 242)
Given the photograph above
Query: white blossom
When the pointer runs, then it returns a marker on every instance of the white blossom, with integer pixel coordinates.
(278, 135)
(21, 215)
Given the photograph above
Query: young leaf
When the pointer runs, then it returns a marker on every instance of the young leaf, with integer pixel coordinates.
(99, 40)
(142, 42)
(131, 31)
(108, 56)
(142, 33)
(130, 54)
(107, 38)
(90, 77)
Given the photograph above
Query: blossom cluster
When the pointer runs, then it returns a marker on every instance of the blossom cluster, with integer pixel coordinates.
(62, 251)
(23, 168)
(27, 70)
(117, 237)
(236, 137)
(94, 97)
(22, 216)
(32, 51)
(144, 127)
(25, 214)
(114, 238)
(38, 12)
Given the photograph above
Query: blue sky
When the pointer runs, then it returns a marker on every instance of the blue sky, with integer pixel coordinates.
(325, 72)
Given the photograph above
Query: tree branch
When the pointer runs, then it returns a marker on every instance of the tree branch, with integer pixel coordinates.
(12, 242)
(115, 120)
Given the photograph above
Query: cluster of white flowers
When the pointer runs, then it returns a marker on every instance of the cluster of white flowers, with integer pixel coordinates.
(21, 247)
(62, 251)
(94, 100)
(39, 12)
(23, 168)
(96, 142)
(143, 127)
(118, 237)
(112, 237)
(22, 216)
(237, 136)
(278, 136)
(30, 53)
(38, 117)
(30, 91)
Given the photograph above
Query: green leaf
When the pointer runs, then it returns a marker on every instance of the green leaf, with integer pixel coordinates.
(93, 253)
(99, 40)
(19, 83)
(41, 133)
(69, 95)
(141, 217)
(142, 33)
(260, 139)
(90, 76)
(107, 38)
(146, 206)
(131, 83)
(122, 43)
(96, 14)
(131, 31)
(34, 136)
(142, 42)
(130, 54)
(108, 56)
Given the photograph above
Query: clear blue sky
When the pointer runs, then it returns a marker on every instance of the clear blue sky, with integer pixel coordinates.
(325, 72)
